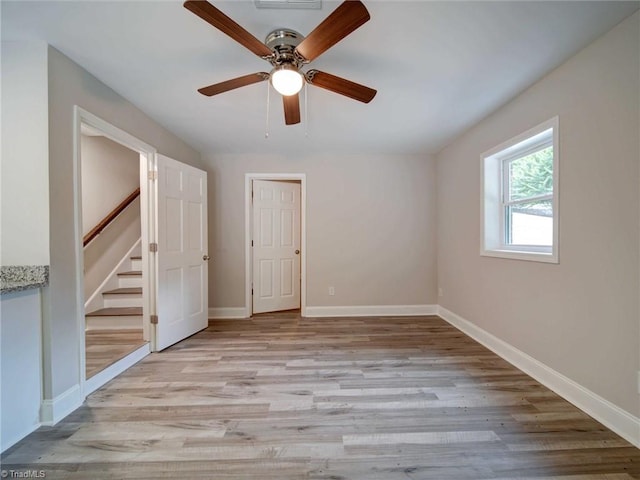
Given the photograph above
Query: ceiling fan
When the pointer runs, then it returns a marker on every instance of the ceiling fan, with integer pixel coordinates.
(288, 51)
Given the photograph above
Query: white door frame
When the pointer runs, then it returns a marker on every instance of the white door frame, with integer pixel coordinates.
(148, 153)
(248, 187)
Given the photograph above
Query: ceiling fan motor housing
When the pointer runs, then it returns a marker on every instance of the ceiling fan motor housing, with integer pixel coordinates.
(283, 43)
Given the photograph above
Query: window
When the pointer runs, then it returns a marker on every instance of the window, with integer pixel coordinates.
(520, 196)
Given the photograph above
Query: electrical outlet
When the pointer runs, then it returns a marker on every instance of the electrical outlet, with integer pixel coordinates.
(332, 291)
(440, 292)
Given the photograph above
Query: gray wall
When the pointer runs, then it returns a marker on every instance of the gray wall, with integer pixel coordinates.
(20, 365)
(580, 317)
(370, 227)
(24, 232)
(110, 172)
(71, 85)
(24, 238)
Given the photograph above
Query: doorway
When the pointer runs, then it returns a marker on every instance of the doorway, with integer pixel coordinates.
(111, 228)
(275, 277)
(173, 257)
(115, 348)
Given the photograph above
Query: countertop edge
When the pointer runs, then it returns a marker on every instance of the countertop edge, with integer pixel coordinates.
(17, 278)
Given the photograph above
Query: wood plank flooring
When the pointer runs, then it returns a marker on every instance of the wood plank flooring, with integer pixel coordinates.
(105, 347)
(281, 397)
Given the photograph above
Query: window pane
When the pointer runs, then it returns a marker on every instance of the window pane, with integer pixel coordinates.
(532, 175)
(530, 224)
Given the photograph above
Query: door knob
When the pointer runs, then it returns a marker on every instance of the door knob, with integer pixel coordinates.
(297, 252)
(205, 257)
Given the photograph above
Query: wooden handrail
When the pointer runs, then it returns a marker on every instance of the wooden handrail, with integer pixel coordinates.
(95, 231)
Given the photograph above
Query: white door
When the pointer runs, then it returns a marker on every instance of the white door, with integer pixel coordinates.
(181, 232)
(276, 245)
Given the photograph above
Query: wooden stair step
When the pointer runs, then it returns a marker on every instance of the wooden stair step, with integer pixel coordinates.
(130, 337)
(124, 291)
(116, 312)
(132, 273)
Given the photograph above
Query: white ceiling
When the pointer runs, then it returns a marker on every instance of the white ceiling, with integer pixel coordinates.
(439, 67)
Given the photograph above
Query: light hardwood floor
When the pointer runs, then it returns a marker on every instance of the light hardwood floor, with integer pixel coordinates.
(280, 397)
(105, 347)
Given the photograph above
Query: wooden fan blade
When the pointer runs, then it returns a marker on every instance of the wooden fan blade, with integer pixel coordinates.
(215, 17)
(291, 109)
(233, 84)
(343, 20)
(340, 85)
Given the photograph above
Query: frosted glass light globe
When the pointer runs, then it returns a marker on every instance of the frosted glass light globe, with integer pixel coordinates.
(286, 80)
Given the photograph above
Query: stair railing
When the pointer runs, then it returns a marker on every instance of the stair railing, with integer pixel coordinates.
(104, 223)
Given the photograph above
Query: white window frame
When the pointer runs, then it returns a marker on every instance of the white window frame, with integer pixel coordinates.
(494, 184)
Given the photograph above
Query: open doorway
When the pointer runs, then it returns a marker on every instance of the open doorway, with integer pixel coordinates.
(112, 219)
(171, 258)
(111, 230)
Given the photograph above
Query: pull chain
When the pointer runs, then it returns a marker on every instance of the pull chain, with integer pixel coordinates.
(266, 127)
(306, 111)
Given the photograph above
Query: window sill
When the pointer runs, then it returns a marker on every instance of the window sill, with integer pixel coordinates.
(544, 257)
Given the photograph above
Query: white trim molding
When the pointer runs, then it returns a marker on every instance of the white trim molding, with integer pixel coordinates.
(336, 311)
(112, 371)
(372, 310)
(228, 312)
(620, 421)
(52, 411)
(493, 194)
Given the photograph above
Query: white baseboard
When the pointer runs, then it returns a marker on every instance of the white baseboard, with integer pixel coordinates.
(620, 421)
(371, 310)
(339, 311)
(109, 373)
(228, 312)
(52, 411)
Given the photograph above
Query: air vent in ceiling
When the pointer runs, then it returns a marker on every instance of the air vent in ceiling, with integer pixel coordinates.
(317, 4)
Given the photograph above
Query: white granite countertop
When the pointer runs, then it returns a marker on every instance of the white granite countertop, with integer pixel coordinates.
(15, 278)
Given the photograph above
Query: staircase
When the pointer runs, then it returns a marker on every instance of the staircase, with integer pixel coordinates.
(122, 306)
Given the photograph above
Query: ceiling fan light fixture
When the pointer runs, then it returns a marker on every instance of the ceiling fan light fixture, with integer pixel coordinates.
(286, 79)
(288, 52)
